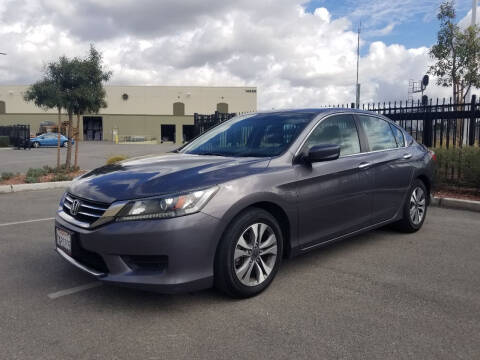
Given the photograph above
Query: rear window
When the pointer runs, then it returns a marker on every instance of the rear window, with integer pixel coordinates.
(378, 132)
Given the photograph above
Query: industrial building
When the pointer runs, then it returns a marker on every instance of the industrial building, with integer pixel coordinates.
(155, 113)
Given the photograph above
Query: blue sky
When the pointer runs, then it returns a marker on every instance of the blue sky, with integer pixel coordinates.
(414, 21)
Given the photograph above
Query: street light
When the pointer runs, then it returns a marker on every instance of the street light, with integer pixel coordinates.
(3, 54)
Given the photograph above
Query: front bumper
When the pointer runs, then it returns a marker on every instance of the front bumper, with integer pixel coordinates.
(180, 252)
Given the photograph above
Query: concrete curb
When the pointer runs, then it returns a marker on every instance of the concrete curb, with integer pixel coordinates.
(38, 186)
(459, 204)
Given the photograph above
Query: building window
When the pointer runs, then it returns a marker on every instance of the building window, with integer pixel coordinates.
(2, 107)
(222, 108)
(178, 108)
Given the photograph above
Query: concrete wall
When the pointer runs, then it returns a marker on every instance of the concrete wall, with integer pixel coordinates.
(132, 125)
(150, 100)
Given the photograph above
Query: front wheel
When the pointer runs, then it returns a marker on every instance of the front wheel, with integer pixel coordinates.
(414, 209)
(249, 254)
(65, 144)
(36, 144)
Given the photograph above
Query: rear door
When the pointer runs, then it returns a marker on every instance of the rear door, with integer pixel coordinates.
(334, 197)
(391, 165)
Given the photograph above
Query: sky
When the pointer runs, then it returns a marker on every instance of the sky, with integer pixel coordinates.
(297, 53)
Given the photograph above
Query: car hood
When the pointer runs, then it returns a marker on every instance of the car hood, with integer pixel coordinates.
(171, 173)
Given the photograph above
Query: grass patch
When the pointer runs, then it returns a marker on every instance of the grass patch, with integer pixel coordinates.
(458, 167)
(7, 175)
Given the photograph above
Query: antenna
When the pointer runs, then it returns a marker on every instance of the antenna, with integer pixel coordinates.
(357, 86)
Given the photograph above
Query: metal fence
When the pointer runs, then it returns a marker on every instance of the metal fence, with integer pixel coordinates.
(204, 122)
(434, 124)
(19, 135)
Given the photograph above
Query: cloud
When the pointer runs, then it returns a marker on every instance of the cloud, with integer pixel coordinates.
(295, 58)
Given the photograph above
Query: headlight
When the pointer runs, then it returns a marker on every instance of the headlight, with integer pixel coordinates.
(167, 206)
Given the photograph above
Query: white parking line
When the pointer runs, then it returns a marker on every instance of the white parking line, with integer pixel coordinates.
(74, 290)
(26, 221)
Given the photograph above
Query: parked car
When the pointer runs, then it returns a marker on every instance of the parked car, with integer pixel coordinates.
(227, 207)
(49, 139)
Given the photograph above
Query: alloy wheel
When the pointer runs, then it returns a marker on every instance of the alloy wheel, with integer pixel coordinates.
(255, 254)
(417, 205)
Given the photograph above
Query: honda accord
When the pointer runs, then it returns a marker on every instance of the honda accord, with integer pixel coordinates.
(226, 208)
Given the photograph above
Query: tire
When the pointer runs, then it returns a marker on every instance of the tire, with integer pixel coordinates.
(413, 215)
(65, 144)
(247, 275)
(36, 144)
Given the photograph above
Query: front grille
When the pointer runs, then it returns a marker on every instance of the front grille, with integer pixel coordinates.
(88, 211)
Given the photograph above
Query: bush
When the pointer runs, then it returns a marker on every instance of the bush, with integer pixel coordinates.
(116, 158)
(458, 166)
(4, 141)
(7, 175)
(62, 177)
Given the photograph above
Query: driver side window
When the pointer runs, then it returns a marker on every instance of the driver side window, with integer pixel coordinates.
(336, 130)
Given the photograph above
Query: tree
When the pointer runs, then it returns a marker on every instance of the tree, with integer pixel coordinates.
(74, 85)
(45, 94)
(456, 54)
(89, 96)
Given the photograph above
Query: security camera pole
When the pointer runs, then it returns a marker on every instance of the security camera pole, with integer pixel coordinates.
(468, 96)
(357, 87)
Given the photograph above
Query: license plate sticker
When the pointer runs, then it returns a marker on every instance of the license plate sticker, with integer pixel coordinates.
(64, 240)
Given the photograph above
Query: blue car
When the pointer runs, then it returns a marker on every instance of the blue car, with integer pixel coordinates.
(49, 139)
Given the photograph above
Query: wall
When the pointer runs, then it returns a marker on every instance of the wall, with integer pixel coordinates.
(150, 100)
(141, 125)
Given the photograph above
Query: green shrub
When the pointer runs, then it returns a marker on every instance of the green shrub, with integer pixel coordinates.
(458, 166)
(116, 158)
(4, 141)
(31, 180)
(62, 177)
(7, 175)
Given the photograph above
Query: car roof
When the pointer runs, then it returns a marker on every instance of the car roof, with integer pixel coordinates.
(316, 111)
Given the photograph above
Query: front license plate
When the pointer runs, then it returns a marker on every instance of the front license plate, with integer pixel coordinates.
(64, 240)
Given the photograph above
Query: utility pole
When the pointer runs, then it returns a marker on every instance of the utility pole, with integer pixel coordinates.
(469, 92)
(357, 86)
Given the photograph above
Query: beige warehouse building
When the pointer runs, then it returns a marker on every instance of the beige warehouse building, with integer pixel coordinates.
(161, 113)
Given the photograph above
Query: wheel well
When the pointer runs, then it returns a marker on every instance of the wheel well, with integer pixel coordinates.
(279, 214)
(428, 185)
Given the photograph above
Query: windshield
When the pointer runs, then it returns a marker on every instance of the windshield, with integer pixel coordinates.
(256, 135)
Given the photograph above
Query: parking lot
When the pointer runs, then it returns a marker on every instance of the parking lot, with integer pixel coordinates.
(91, 155)
(377, 296)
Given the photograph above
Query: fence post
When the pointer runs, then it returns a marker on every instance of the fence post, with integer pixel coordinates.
(473, 119)
(427, 127)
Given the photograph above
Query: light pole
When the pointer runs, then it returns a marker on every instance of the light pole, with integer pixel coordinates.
(468, 96)
(357, 85)
(3, 54)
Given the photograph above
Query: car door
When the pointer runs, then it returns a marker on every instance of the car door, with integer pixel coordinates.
(334, 196)
(51, 139)
(391, 164)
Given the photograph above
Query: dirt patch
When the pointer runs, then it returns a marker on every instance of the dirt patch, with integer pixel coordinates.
(458, 193)
(20, 178)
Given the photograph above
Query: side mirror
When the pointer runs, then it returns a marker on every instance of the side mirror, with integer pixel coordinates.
(323, 153)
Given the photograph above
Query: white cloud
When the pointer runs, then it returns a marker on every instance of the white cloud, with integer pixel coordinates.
(295, 58)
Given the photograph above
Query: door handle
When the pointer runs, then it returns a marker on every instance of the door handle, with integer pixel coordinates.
(407, 156)
(364, 165)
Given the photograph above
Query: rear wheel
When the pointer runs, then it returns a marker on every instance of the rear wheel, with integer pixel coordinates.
(414, 209)
(249, 254)
(36, 144)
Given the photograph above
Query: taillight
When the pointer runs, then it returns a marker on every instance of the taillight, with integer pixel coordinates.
(434, 156)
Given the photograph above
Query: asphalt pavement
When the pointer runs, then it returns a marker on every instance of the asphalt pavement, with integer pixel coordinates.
(381, 295)
(92, 154)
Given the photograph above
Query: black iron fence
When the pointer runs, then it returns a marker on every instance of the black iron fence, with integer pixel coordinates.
(437, 123)
(19, 135)
(434, 124)
(204, 122)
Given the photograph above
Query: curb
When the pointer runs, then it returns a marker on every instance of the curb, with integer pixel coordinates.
(458, 204)
(4, 189)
